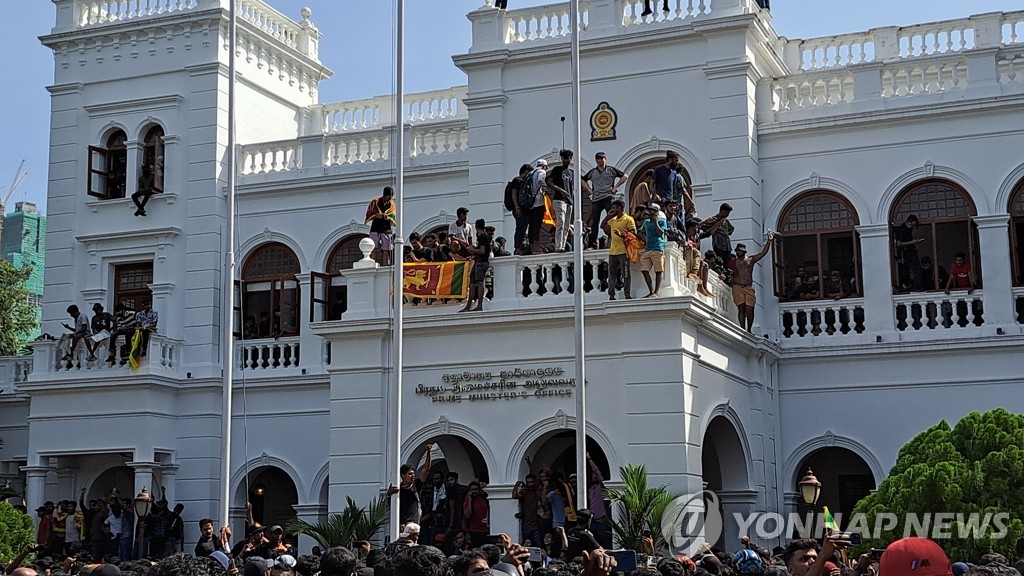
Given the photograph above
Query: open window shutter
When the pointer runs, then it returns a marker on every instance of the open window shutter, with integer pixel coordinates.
(285, 293)
(779, 267)
(319, 287)
(98, 172)
(239, 298)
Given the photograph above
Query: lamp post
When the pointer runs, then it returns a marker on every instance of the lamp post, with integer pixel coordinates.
(810, 490)
(143, 505)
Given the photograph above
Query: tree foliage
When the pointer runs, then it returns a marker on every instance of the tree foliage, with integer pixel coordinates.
(352, 524)
(638, 507)
(17, 318)
(15, 530)
(975, 467)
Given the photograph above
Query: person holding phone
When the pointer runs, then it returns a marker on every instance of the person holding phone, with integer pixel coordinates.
(476, 514)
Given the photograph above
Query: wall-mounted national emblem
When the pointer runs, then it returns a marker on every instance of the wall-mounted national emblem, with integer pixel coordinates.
(602, 122)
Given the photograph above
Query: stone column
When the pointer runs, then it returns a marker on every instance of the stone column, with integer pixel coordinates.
(168, 478)
(311, 513)
(503, 510)
(996, 263)
(66, 482)
(134, 163)
(35, 487)
(737, 505)
(876, 279)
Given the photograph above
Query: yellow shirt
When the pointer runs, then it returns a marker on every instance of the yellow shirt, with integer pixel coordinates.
(618, 224)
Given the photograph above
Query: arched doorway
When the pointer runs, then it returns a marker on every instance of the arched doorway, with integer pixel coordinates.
(557, 451)
(724, 472)
(451, 453)
(121, 478)
(636, 176)
(845, 478)
(272, 493)
(1016, 210)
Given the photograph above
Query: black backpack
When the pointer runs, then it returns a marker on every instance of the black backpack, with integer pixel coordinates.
(527, 195)
(512, 188)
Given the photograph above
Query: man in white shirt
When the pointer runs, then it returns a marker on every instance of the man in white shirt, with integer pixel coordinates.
(80, 331)
(460, 228)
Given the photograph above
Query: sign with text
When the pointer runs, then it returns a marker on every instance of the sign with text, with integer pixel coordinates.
(511, 384)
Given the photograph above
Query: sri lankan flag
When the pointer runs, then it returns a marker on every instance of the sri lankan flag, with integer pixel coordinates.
(135, 356)
(436, 279)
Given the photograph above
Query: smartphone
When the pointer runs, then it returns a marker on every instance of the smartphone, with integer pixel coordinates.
(646, 533)
(493, 539)
(536, 554)
(625, 560)
(876, 553)
(854, 538)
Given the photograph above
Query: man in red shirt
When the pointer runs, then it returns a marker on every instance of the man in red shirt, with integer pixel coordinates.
(43, 530)
(961, 276)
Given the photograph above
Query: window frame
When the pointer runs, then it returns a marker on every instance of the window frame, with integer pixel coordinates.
(929, 222)
(116, 152)
(1015, 208)
(98, 155)
(278, 287)
(122, 295)
(153, 148)
(778, 248)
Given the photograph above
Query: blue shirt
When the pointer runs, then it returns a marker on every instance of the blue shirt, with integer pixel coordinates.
(664, 179)
(652, 241)
(557, 509)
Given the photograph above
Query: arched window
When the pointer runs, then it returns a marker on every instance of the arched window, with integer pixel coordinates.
(944, 212)
(1016, 210)
(819, 238)
(269, 293)
(345, 254)
(153, 155)
(635, 178)
(108, 167)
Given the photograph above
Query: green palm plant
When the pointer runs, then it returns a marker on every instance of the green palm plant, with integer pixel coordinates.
(638, 507)
(352, 524)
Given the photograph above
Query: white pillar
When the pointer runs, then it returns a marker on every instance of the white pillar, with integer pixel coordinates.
(876, 278)
(35, 487)
(736, 505)
(311, 513)
(997, 282)
(168, 474)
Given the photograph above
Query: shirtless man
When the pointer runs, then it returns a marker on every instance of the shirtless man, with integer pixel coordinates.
(743, 282)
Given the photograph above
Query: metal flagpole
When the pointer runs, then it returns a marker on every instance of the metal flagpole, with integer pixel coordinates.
(577, 257)
(228, 312)
(396, 260)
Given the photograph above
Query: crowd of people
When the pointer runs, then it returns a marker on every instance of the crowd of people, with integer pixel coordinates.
(105, 330)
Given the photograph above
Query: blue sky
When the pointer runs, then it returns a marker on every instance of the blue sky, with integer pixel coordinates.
(357, 46)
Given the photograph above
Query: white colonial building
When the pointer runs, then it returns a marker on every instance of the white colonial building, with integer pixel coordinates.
(828, 140)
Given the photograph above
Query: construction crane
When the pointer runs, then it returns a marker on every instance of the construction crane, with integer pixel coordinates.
(19, 176)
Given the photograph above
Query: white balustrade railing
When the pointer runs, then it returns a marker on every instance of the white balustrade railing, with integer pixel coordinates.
(13, 371)
(632, 11)
(373, 146)
(835, 51)
(1018, 304)
(935, 311)
(1011, 68)
(270, 157)
(341, 149)
(936, 38)
(162, 354)
(370, 113)
(269, 21)
(914, 78)
(822, 88)
(94, 12)
(267, 354)
(1012, 27)
(541, 22)
(810, 318)
(428, 139)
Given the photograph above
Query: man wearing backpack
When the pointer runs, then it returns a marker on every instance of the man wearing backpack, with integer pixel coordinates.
(531, 202)
(512, 205)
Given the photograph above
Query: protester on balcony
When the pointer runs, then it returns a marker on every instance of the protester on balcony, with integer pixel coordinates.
(906, 251)
(696, 268)
(681, 191)
(652, 259)
(481, 254)
(720, 230)
(501, 4)
(835, 288)
(381, 215)
(80, 331)
(532, 195)
(519, 212)
(929, 274)
(961, 276)
(800, 290)
(460, 229)
(148, 319)
(414, 251)
(616, 225)
(559, 183)
(125, 324)
(643, 192)
(145, 190)
(647, 7)
(102, 324)
(743, 282)
(601, 183)
(665, 176)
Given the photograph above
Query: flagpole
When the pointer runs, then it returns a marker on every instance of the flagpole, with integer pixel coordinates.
(398, 152)
(228, 313)
(577, 248)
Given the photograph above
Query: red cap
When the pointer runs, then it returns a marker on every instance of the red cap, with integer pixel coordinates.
(914, 557)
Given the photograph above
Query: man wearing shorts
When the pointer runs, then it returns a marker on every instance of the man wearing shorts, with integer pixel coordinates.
(381, 215)
(652, 259)
(743, 282)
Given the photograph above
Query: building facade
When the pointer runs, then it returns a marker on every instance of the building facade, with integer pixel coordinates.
(23, 243)
(830, 141)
